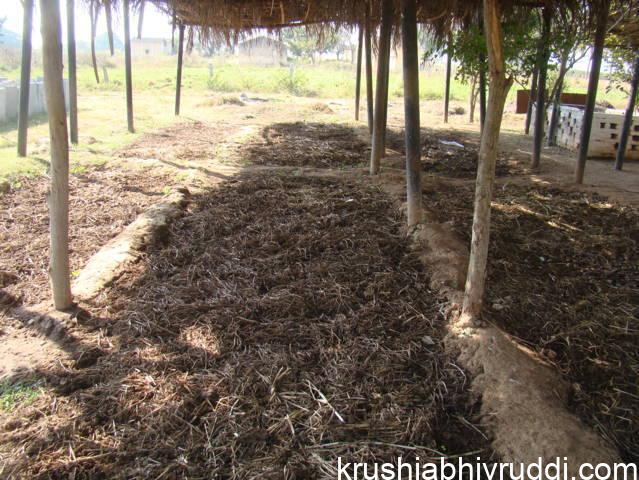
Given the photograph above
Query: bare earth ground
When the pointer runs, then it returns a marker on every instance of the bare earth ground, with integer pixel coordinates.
(286, 322)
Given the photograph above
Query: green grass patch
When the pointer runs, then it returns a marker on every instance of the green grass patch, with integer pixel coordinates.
(23, 392)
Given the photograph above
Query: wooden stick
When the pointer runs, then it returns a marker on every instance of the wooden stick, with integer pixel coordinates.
(25, 78)
(411, 112)
(627, 121)
(369, 73)
(178, 83)
(379, 124)
(358, 72)
(540, 107)
(593, 82)
(73, 77)
(59, 195)
(449, 60)
(499, 86)
(482, 91)
(127, 65)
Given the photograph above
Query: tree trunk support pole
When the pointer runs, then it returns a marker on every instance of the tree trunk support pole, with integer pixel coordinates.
(379, 124)
(178, 83)
(369, 72)
(25, 78)
(73, 77)
(358, 72)
(449, 60)
(411, 112)
(551, 139)
(627, 121)
(593, 82)
(499, 86)
(127, 65)
(540, 106)
(59, 194)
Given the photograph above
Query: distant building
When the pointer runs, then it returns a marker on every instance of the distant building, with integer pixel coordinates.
(150, 47)
(262, 51)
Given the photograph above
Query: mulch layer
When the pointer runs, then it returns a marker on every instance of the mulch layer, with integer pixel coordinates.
(563, 278)
(285, 323)
(302, 144)
(449, 160)
(101, 204)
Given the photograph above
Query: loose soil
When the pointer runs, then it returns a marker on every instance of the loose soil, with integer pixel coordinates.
(286, 323)
(563, 279)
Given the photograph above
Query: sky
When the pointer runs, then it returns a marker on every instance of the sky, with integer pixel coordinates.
(156, 24)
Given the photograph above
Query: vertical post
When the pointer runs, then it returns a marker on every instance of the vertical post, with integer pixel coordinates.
(59, 194)
(140, 19)
(532, 98)
(449, 60)
(482, 91)
(369, 73)
(358, 73)
(627, 121)
(499, 86)
(540, 107)
(109, 22)
(127, 65)
(178, 83)
(386, 84)
(593, 82)
(25, 78)
(73, 78)
(94, 13)
(551, 138)
(380, 94)
(411, 111)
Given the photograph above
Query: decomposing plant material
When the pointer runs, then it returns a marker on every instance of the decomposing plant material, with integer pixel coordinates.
(285, 323)
(564, 280)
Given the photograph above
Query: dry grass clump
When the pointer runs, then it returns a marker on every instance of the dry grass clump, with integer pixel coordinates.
(285, 323)
(564, 279)
(301, 144)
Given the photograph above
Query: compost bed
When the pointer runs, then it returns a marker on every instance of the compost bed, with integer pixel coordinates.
(563, 278)
(101, 203)
(286, 323)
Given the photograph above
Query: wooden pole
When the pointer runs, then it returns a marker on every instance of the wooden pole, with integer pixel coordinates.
(551, 137)
(627, 122)
(73, 78)
(411, 112)
(94, 13)
(59, 194)
(532, 98)
(109, 23)
(386, 84)
(127, 65)
(449, 60)
(499, 86)
(369, 73)
(358, 74)
(25, 78)
(140, 19)
(540, 106)
(593, 82)
(379, 123)
(178, 83)
(482, 91)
